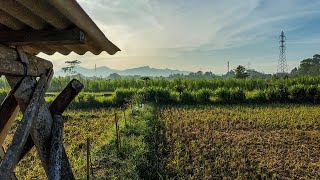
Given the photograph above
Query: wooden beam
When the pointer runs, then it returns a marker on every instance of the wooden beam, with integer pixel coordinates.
(10, 55)
(11, 157)
(58, 106)
(49, 37)
(62, 101)
(56, 148)
(16, 68)
(2, 153)
(41, 130)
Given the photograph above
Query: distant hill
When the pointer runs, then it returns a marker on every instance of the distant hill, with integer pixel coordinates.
(142, 71)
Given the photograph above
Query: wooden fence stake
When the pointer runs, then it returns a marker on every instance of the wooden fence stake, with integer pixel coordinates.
(117, 132)
(124, 115)
(88, 158)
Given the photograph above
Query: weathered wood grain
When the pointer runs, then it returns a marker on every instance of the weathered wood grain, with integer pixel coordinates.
(11, 157)
(56, 148)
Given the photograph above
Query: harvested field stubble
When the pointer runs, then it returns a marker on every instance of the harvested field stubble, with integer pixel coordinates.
(242, 142)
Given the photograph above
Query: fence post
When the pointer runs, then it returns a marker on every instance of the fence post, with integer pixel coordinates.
(124, 115)
(117, 131)
(88, 158)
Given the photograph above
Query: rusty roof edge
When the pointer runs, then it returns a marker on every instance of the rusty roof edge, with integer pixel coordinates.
(74, 12)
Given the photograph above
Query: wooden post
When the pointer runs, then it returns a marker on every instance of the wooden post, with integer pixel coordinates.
(88, 158)
(117, 132)
(124, 115)
(11, 158)
(56, 148)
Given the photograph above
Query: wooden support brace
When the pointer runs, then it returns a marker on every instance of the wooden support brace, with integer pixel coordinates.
(57, 107)
(43, 37)
(11, 157)
(2, 153)
(56, 148)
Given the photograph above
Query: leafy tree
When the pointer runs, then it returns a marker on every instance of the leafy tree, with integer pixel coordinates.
(240, 72)
(114, 76)
(70, 68)
(309, 66)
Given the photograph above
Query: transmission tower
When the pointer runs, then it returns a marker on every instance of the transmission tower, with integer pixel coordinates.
(282, 64)
(228, 65)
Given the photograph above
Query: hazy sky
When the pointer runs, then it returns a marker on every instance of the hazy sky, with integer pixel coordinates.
(202, 34)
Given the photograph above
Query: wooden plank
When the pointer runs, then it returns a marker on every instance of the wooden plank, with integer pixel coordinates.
(2, 153)
(58, 106)
(56, 148)
(10, 55)
(11, 157)
(16, 68)
(53, 37)
(41, 130)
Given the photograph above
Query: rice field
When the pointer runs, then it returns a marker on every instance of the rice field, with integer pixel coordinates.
(241, 142)
(274, 141)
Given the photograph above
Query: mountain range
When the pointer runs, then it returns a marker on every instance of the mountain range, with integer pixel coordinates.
(104, 71)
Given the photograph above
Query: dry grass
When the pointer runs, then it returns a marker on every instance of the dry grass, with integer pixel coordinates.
(242, 142)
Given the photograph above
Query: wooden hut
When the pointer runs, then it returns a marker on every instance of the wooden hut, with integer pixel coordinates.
(28, 27)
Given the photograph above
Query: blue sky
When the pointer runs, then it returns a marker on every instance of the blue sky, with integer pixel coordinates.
(202, 35)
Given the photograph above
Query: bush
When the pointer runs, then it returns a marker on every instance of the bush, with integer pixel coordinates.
(203, 96)
(312, 93)
(187, 98)
(223, 94)
(122, 96)
(277, 94)
(235, 95)
(298, 92)
(258, 96)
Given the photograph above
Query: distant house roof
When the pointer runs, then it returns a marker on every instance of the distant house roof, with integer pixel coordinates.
(56, 15)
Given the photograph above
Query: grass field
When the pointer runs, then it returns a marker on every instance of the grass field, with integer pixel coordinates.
(186, 142)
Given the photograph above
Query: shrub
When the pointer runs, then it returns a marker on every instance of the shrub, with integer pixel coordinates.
(203, 96)
(298, 92)
(187, 98)
(223, 94)
(123, 95)
(237, 95)
(312, 93)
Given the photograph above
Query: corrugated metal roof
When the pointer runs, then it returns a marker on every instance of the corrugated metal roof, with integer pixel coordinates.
(54, 15)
